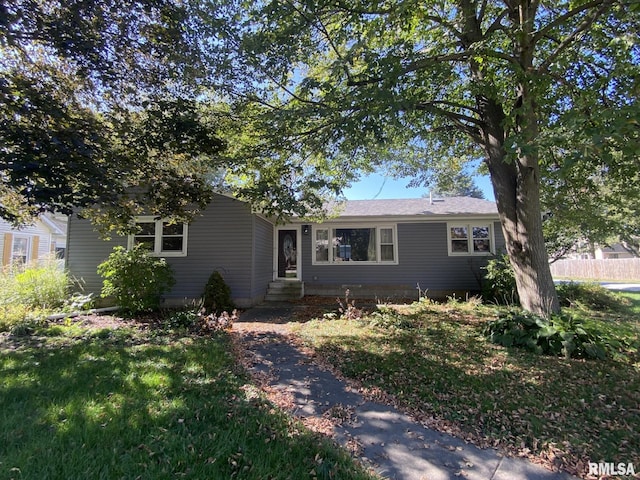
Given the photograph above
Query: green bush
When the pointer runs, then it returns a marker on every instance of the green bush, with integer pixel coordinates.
(499, 283)
(217, 295)
(388, 318)
(135, 279)
(192, 321)
(17, 313)
(180, 320)
(561, 335)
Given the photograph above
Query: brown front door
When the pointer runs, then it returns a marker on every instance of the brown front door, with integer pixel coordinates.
(287, 253)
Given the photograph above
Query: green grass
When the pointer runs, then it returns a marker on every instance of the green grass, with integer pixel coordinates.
(76, 403)
(439, 366)
(634, 299)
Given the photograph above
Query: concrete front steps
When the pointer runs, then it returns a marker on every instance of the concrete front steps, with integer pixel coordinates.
(284, 291)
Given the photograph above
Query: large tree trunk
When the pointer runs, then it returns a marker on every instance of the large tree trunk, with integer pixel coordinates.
(517, 194)
(516, 185)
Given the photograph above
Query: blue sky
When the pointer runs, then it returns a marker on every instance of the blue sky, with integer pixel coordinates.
(381, 187)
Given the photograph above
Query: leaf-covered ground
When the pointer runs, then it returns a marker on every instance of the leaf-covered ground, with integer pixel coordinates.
(433, 361)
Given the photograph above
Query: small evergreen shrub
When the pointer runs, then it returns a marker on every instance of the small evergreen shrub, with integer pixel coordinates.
(135, 279)
(217, 295)
(499, 283)
(560, 335)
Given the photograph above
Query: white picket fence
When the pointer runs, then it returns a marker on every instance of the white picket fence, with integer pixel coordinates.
(613, 269)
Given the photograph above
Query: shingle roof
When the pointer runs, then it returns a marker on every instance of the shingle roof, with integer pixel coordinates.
(417, 206)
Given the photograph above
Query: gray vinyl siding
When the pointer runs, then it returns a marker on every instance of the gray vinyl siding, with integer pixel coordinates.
(220, 239)
(85, 251)
(263, 257)
(423, 261)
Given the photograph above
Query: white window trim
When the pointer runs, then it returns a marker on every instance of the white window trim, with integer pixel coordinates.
(157, 238)
(470, 251)
(377, 226)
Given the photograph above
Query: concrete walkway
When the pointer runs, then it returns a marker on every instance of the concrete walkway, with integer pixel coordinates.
(388, 440)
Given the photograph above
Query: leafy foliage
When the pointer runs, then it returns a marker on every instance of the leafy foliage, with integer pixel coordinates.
(217, 295)
(197, 322)
(499, 283)
(107, 108)
(388, 318)
(560, 335)
(43, 285)
(135, 279)
(97, 109)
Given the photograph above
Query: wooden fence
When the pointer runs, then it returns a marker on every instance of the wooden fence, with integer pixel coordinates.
(613, 269)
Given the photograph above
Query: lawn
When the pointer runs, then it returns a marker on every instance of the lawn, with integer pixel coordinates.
(131, 403)
(433, 360)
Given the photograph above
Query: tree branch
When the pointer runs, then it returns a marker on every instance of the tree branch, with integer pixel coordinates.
(459, 120)
(563, 18)
(584, 25)
(426, 62)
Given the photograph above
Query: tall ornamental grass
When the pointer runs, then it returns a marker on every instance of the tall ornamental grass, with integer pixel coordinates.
(31, 291)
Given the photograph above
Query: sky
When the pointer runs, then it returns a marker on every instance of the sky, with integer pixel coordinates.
(383, 187)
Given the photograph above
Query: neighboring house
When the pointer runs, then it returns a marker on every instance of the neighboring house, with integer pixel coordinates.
(613, 251)
(384, 248)
(46, 236)
(586, 251)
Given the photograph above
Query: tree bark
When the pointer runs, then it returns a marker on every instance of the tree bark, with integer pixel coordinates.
(516, 185)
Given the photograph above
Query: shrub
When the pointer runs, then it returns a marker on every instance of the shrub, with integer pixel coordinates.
(17, 313)
(561, 335)
(135, 279)
(26, 326)
(388, 318)
(499, 284)
(192, 321)
(179, 320)
(217, 295)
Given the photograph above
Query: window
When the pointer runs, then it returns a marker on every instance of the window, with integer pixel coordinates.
(470, 239)
(20, 250)
(160, 237)
(374, 244)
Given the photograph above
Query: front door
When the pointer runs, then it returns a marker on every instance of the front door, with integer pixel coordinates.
(287, 254)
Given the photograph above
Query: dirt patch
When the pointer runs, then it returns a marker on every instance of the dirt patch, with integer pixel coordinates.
(99, 322)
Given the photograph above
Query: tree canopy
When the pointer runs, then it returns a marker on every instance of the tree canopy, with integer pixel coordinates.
(100, 109)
